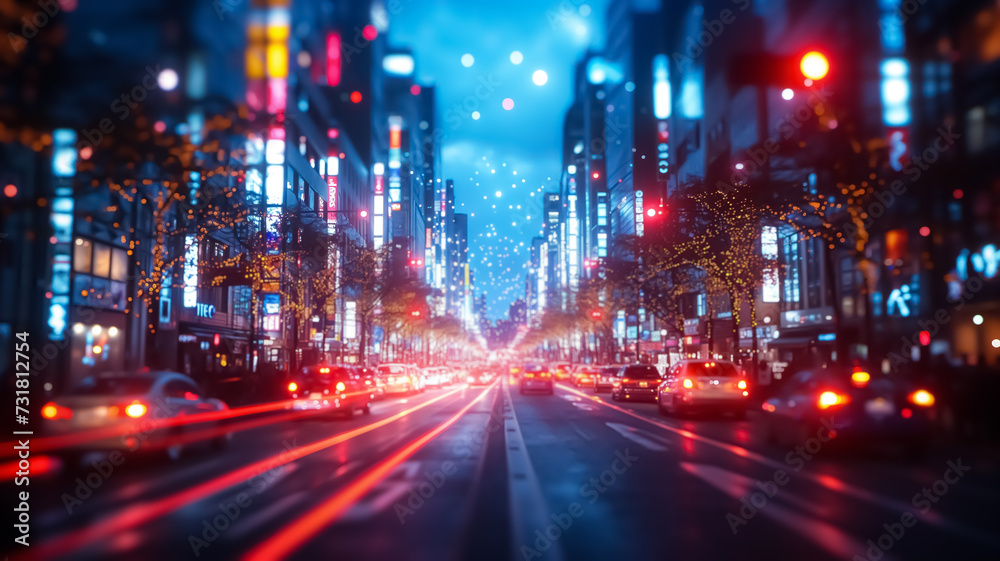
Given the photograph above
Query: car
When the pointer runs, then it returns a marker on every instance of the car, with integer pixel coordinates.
(704, 385)
(863, 409)
(371, 379)
(130, 411)
(481, 377)
(536, 377)
(635, 382)
(434, 377)
(604, 379)
(332, 388)
(584, 374)
(398, 379)
(562, 370)
(514, 371)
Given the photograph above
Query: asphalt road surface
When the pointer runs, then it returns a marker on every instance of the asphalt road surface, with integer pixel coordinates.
(486, 473)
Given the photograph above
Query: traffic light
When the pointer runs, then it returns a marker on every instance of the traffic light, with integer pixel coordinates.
(814, 65)
(415, 313)
(596, 314)
(416, 262)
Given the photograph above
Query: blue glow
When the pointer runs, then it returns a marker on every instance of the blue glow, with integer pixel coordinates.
(692, 106)
(827, 337)
(661, 87)
(895, 92)
(600, 71)
(398, 64)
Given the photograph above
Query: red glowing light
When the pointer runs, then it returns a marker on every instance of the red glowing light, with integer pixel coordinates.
(355, 97)
(415, 89)
(925, 338)
(369, 32)
(332, 133)
(596, 175)
(925, 231)
(159, 126)
(651, 212)
(364, 214)
(86, 152)
(958, 194)
(292, 536)
(906, 412)
(333, 59)
(10, 190)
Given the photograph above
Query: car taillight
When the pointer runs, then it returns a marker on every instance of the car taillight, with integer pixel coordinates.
(922, 398)
(52, 411)
(341, 387)
(529, 375)
(292, 387)
(742, 384)
(860, 379)
(135, 409)
(830, 399)
(625, 380)
(688, 383)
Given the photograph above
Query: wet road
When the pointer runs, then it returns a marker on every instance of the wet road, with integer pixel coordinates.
(487, 473)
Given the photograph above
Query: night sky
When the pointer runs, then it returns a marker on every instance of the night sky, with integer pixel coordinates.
(502, 160)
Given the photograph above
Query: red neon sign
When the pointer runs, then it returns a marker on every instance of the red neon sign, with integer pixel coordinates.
(333, 59)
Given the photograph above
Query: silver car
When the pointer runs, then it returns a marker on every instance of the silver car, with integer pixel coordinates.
(129, 412)
(705, 385)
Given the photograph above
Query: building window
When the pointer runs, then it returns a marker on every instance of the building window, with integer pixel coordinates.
(792, 264)
(100, 260)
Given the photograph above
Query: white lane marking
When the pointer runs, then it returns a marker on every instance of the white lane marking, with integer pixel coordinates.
(830, 482)
(269, 511)
(382, 497)
(827, 536)
(640, 437)
(528, 508)
(344, 469)
(584, 406)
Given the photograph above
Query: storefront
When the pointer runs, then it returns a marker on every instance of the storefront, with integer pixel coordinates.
(97, 344)
(210, 356)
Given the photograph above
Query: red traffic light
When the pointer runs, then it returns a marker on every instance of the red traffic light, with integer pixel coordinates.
(416, 262)
(596, 314)
(415, 313)
(814, 65)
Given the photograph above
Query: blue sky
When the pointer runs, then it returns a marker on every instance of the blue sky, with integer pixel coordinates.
(516, 152)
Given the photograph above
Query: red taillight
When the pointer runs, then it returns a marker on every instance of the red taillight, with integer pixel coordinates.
(829, 399)
(341, 387)
(742, 384)
(135, 409)
(922, 398)
(688, 383)
(52, 411)
(625, 380)
(324, 370)
(292, 387)
(860, 379)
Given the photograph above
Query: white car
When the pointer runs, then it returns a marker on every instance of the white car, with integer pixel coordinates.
(705, 385)
(400, 378)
